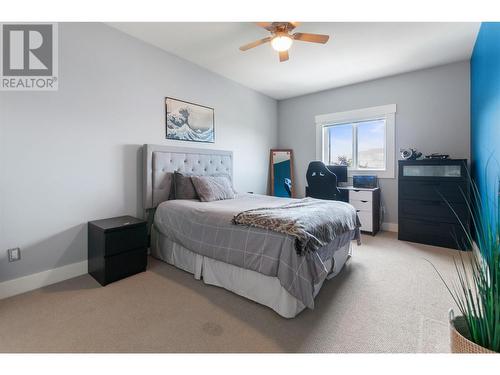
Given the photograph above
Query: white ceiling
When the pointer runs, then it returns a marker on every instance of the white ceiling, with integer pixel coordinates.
(356, 52)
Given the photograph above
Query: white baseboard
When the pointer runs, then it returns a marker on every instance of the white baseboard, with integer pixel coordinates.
(390, 227)
(24, 284)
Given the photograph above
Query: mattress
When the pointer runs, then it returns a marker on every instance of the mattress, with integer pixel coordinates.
(206, 229)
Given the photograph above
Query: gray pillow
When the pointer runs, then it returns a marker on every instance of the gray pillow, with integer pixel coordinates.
(213, 188)
(228, 177)
(183, 186)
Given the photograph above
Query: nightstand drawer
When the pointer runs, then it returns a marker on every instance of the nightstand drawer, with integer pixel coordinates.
(125, 239)
(360, 195)
(124, 264)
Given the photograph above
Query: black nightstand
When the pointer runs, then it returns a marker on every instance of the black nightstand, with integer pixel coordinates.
(117, 248)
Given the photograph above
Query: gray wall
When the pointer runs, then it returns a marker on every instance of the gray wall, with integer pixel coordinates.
(432, 115)
(71, 156)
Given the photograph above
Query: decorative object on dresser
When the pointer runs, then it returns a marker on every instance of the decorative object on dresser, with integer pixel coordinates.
(367, 204)
(117, 248)
(427, 189)
(410, 154)
(281, 171)
(189, 122)
(436, 155)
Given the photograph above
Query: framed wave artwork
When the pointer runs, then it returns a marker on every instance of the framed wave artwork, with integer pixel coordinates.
(189, 122)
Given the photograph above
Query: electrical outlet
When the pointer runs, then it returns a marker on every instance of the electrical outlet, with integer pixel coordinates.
(14, 254)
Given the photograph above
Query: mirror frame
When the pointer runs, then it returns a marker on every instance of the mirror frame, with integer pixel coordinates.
(271, 169)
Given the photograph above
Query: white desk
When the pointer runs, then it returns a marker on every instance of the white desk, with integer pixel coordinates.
(367, 204)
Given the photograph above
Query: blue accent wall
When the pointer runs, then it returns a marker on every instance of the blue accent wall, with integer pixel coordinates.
(485, 110)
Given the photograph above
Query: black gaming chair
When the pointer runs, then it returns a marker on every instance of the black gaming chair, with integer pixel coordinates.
(322, 184)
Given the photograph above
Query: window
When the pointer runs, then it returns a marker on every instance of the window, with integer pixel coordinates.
(359, 145)
(361, 139)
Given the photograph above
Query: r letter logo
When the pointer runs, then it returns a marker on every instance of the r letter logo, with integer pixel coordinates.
(29, 57)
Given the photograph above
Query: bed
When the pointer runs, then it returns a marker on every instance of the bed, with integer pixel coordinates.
(201, 238)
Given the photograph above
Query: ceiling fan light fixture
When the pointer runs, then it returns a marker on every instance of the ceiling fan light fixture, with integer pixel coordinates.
(281, 43)
(281, 38)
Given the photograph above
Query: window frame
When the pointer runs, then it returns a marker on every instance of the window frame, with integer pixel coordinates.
(387, 112)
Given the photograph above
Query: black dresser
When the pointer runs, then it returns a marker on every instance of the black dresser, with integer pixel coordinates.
(425, 187)
(117, 248)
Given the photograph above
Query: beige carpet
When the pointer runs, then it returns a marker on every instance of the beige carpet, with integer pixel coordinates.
(388, 299)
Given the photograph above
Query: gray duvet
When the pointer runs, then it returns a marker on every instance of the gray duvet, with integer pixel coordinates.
(206, 228)
(313, 222)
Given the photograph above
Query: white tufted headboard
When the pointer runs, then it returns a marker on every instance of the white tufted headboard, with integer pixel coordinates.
(159, 162)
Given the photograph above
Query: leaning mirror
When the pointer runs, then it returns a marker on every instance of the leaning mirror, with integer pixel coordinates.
(281, 169)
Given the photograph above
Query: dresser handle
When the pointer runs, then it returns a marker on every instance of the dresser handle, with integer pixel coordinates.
(364, 201)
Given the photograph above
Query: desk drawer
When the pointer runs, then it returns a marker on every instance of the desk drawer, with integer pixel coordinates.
(366, 219)
(364, 205)
(360, 195)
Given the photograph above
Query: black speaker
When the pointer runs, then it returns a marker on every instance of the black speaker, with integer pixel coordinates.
(366, 182)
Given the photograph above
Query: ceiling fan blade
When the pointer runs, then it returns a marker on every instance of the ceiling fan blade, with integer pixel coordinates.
(283, 56)
(315, 38)
(266, 25)
(293, 25)
(255, 44)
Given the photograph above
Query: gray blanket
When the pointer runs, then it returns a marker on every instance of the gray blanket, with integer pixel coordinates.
(312, 222)
(206, 228)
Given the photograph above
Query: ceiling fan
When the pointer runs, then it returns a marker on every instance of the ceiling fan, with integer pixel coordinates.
(281, 38)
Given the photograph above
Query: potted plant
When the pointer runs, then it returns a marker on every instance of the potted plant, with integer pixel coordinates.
(476, 291)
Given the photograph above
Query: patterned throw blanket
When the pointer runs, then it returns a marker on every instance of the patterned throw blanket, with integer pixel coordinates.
(313, 222)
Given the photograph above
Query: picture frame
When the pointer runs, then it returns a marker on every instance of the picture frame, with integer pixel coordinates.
(187, 121)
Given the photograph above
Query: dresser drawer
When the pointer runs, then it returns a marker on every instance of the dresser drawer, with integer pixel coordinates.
(431, 232)
(433, 210)
(366, 219)
(432, 190)
(360, 195)
(362, 205)
(126, 239)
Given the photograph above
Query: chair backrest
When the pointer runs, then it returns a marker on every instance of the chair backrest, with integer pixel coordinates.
(322, 183)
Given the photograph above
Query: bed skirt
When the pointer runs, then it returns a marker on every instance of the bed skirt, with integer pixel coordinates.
(263, 289)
